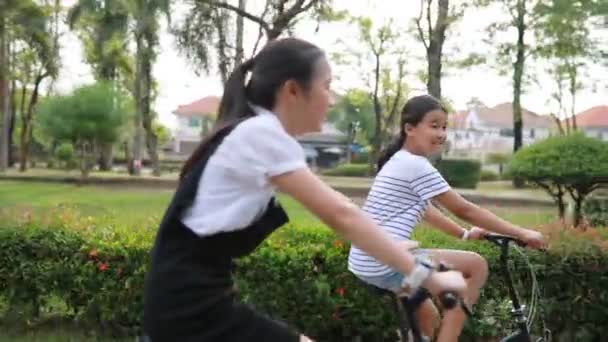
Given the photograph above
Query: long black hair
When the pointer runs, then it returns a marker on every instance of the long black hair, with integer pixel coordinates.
(412, 113)
(278, 62)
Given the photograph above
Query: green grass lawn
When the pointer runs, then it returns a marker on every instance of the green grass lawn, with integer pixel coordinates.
(112, 205)
(144, 207)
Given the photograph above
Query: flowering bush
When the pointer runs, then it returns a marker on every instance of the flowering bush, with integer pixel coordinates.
(298, 275)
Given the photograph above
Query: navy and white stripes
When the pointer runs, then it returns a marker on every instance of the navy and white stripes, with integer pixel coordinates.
(397, 201)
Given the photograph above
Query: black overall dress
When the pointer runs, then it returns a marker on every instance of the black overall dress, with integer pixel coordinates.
(189, 292)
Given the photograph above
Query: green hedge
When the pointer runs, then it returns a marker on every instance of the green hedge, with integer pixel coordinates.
(460, 173)
(349, 170)
(299, 275)
(488, 176)
(596, 210)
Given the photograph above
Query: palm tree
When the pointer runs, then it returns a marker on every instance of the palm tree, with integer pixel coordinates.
(103, 27)
(24, 21)
(145, 15)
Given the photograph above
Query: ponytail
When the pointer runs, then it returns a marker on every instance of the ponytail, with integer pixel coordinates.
(392, 148)
(234, 108)
(278, 62)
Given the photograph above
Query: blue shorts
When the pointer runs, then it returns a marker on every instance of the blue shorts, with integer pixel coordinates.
(392, 281)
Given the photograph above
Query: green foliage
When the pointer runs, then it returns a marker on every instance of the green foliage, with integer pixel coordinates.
(565, 159)
(575, 163)
(488, 176)
(497, 158)
(460, 173)
(299, 274)
(65, 152)
(349, 170)
(595, 211)
(92, 115)
(361, 157)
(355, 106)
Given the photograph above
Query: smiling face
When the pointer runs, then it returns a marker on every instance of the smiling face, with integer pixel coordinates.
(428, 136)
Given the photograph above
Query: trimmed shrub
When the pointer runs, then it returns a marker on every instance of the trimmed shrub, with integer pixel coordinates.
(574, 164)
(488, 176)
(460, 173)
(298, 275)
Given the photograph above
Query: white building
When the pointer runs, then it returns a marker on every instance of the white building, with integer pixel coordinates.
(483, 130)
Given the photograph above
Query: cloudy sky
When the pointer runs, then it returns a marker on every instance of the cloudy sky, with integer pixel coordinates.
(178, 83)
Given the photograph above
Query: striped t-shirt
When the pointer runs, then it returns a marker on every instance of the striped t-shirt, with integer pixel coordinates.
(397, 201)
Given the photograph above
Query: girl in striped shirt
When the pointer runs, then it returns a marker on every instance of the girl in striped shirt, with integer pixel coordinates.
(401, 196)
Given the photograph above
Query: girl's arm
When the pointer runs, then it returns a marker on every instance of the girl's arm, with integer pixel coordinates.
(437, 219)
(478, 216)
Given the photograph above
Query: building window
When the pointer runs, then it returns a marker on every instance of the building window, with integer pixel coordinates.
(194, 122)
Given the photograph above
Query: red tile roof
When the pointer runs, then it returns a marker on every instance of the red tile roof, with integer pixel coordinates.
(596, 117)
(501, 116)
(206, 106)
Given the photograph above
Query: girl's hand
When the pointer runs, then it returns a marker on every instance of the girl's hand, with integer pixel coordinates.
(533, 239)
(476, 233)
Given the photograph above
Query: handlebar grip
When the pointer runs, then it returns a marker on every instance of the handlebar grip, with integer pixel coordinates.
(449, 300)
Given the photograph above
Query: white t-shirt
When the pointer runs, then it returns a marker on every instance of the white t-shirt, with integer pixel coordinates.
(235, 187)
(397, 201)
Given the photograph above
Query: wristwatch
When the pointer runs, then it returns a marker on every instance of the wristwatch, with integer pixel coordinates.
(419, 274)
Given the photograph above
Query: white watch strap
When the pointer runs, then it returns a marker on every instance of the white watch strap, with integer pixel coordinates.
(418, 275)
(465, 235)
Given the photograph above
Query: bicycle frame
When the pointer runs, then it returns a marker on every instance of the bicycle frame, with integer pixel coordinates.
(522, 334)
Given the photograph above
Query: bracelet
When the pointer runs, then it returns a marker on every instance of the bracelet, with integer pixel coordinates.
(465, 235)
(419, 274)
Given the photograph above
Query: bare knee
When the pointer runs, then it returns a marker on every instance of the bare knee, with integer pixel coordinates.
(476, 268)
(481, 269)
(305, 339)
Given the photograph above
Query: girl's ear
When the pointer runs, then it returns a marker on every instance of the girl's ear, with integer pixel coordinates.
(408, 128)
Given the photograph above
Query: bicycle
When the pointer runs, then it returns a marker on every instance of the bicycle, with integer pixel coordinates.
(522, 322)
(405, 307)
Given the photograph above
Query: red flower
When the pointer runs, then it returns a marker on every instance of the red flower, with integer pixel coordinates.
(103, 266)
(340, 291)
(93, 253)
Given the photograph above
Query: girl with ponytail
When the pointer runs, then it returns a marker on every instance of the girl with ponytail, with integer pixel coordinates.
(225, 204)
(401, 196)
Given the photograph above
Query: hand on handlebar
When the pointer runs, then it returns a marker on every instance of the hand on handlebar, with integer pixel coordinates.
(449, 281)
(533, 239)
(476, 233)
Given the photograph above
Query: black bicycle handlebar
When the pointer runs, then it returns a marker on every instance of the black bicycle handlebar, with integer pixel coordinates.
(503, 240)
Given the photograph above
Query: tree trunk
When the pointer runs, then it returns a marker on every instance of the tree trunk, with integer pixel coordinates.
(240, 53)
(220, 20)
(518, 71)
(106, 157)
(11, 124)
(4, 95)
(27, 124)
(147, 117)
(377, 143)
(435, 49)
(138, 137)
